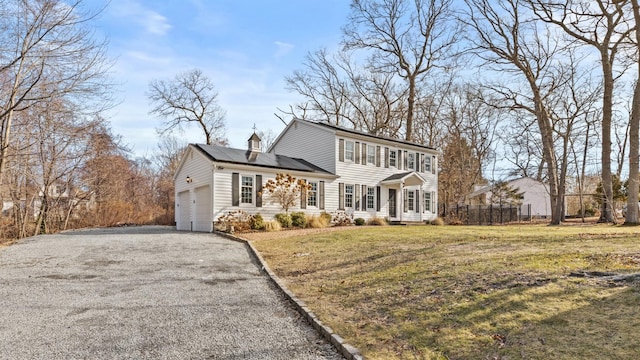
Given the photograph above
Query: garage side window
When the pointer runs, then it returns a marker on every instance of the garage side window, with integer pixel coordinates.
(246, 192)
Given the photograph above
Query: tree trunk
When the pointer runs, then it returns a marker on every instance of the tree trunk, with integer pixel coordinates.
(607, 215)
(634, 129)
(410, 106)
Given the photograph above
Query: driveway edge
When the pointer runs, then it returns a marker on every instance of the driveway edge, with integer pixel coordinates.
(348, 351)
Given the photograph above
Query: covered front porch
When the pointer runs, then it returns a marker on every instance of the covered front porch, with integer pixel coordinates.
(405, 197)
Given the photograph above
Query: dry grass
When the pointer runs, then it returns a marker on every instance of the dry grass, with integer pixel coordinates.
(425, 292)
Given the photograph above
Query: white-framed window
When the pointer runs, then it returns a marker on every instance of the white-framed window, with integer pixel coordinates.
(312, 194)
(427, 201)
(348, 150)
(246, 189)
(411, 161)
(393, 158)
(371, 154)
(348, 196)
(427, 163)
(371, 194)
(411, 200)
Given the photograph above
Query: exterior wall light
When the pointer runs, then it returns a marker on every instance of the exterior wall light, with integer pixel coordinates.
(189, 180)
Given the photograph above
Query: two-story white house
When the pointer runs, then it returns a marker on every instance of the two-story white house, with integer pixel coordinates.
(364, 175)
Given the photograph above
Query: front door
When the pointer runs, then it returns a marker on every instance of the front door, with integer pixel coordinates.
(392, 203)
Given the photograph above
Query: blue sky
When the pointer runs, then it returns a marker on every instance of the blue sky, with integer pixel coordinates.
(246, 47)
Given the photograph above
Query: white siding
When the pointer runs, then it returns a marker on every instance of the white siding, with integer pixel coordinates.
(372, 175)
(198, 168)
(224, 201)
(536, 194)
(309, 142)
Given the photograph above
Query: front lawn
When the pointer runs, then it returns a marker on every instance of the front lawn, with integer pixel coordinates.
(453, 292)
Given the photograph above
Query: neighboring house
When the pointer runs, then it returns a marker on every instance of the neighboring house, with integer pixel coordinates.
(363, 175)
(535, 193)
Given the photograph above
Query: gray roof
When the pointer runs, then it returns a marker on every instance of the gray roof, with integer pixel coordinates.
(398, 176)
(352, 131)
(268, 160)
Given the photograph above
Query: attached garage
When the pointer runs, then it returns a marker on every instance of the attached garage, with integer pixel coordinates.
(183, 219)
(203, 209)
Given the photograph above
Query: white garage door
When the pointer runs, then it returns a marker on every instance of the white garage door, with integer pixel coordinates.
(203, 209)
(184, 222)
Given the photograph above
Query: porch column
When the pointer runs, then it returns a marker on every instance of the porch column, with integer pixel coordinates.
(400, 205)
(420, 197)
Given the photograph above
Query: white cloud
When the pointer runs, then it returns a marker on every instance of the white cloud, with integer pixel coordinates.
(151, 21)
(282, 48)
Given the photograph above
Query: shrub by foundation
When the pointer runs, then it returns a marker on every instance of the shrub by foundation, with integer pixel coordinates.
(272, 226)
(298, 219)
(317, 222)
(359, 221)
(284, 219)
(377, 221)
(256, 222)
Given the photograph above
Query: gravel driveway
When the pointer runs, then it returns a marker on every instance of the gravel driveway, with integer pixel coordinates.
(144, 293)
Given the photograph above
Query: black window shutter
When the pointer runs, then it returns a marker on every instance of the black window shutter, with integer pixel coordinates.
(386, 157)
(321, 195)
(416, 164)
(340, 196)
(356, 205)
(341, 150)
(235, 190)
(405, 160)
(303, 196)
(433, 164)
(405, 195)
(258, 190)
(364, 197)
(399, 160)
(421, 162)
(378, 156)
(364, 154)
(417, 201)
(377, 198)
(356, 153)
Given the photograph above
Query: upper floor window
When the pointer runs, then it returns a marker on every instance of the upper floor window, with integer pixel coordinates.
(392, 158)
(427, 163)
(348, 150)
(371, 154)
(348, 196)
(312, 194)
(371, 193)
(411, 161)
(246, 192)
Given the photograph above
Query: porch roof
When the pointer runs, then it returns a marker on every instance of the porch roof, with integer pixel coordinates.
(411, 178)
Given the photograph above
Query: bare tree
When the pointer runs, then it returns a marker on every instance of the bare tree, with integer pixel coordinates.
(410, 38)
(506, 41)
(47, 50)
(322, 84)
(604, 26)
(634, 130)
(189, 98)
(345, 93)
